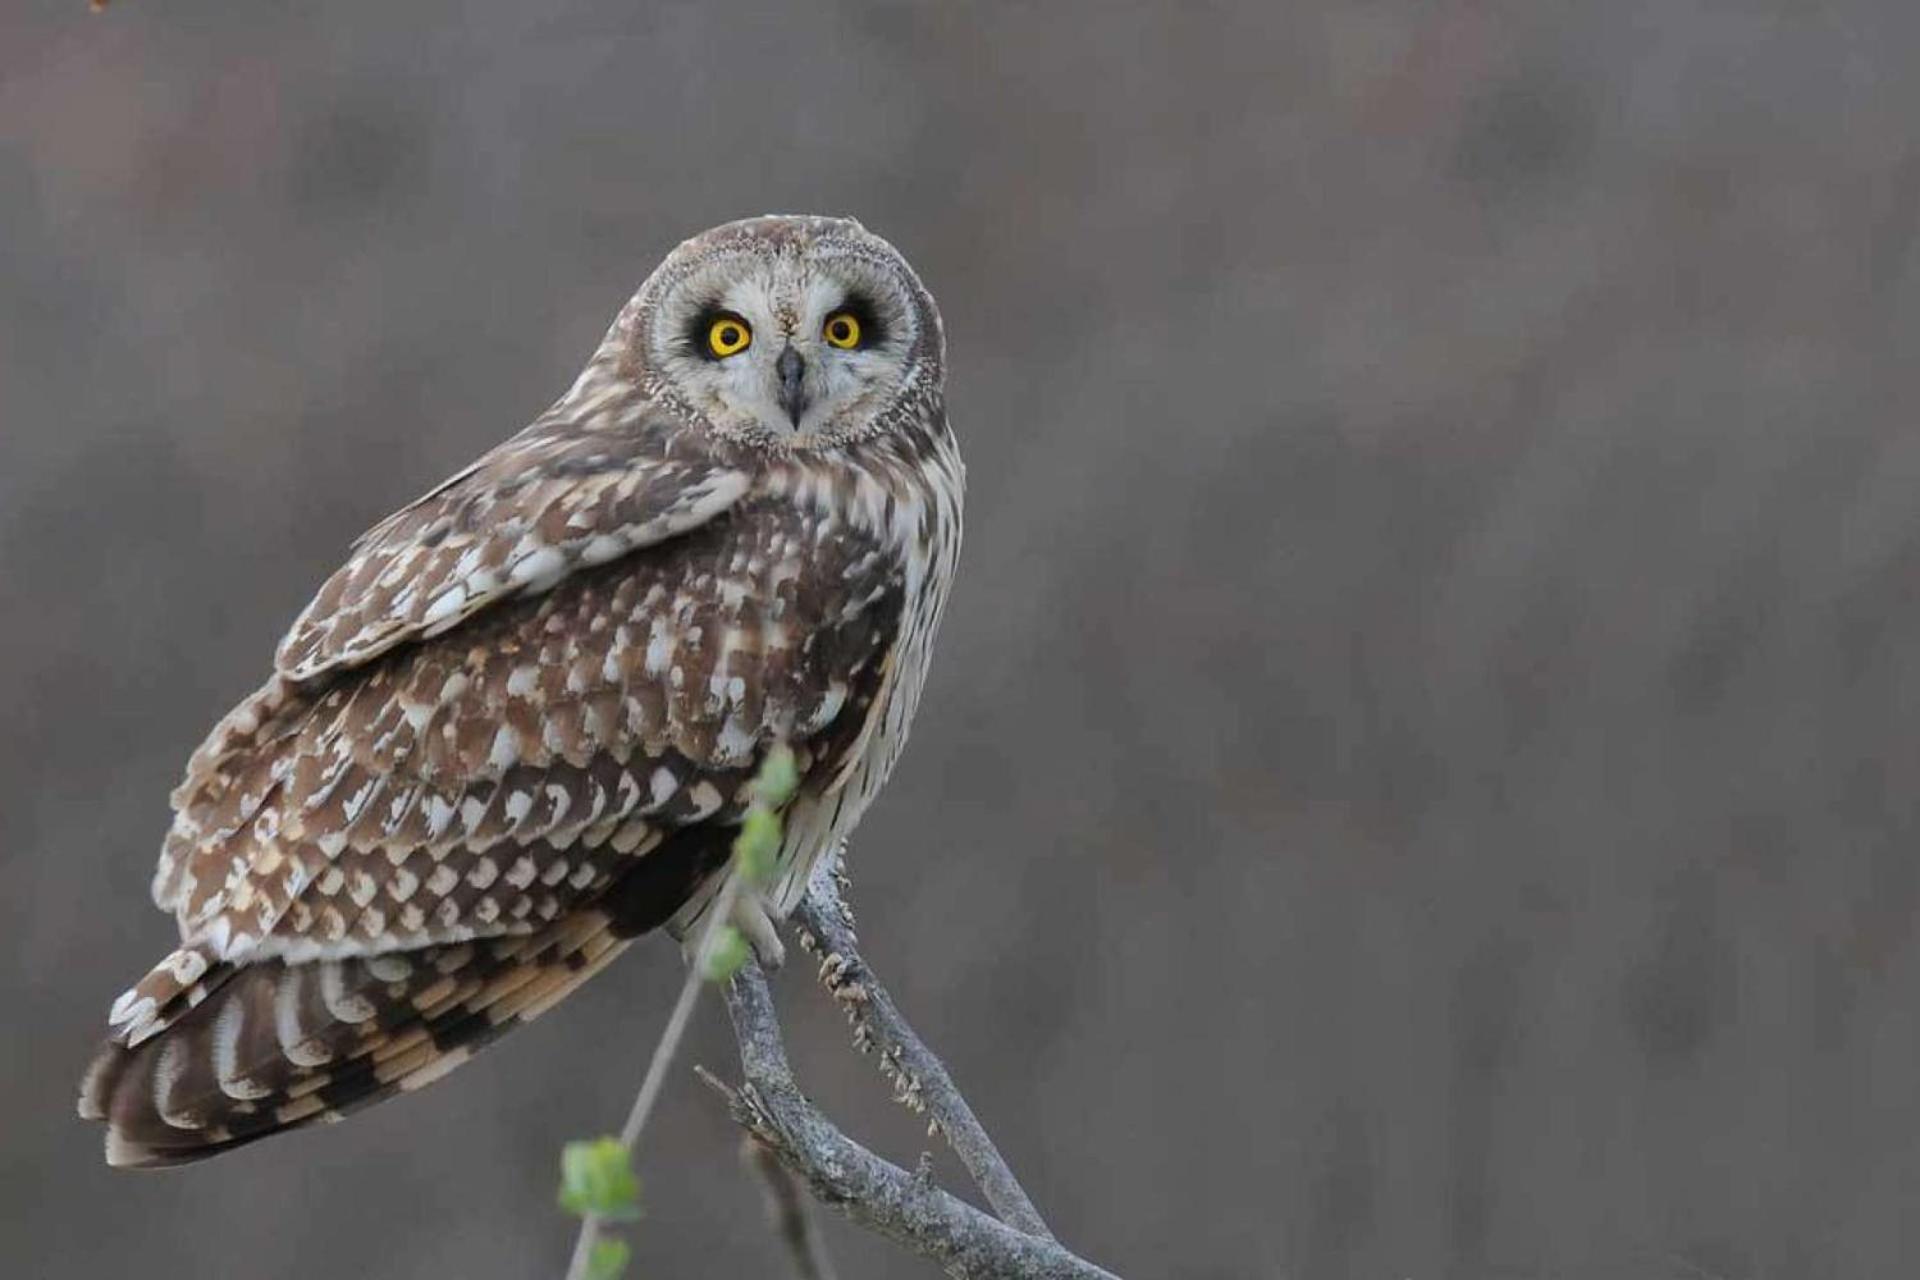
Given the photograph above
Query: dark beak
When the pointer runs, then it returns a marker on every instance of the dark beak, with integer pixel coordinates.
(793, 393)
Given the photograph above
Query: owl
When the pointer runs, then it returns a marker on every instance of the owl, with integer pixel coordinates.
(515, 730)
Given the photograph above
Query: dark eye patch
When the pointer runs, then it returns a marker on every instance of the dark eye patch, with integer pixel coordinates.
(694, 339)
(873, 330)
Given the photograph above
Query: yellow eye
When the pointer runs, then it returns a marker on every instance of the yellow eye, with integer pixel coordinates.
(729, 336)
(842, 330)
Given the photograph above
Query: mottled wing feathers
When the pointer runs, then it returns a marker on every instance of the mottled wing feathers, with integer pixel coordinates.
(488, 781)
(567, 493)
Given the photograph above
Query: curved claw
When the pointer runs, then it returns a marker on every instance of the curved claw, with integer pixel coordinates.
(756, 923)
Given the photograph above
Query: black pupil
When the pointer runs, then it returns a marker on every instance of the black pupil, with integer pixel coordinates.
(842, 330)
(728, 335)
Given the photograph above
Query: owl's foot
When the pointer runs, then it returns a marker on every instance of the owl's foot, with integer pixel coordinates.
(751, 913)
(755, 922)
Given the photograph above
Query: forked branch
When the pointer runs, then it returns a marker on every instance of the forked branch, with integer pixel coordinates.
(880, 1196)
(919, 1077)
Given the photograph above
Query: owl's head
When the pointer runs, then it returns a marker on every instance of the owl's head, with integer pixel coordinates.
(794, 331)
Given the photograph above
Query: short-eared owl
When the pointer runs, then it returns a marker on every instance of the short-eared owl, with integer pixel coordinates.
(513, 731)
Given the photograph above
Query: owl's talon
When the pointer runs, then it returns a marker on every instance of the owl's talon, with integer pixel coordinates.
(756, 924)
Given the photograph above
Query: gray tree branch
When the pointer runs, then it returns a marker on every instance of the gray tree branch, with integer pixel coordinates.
(880, 1196)
(919, 1077)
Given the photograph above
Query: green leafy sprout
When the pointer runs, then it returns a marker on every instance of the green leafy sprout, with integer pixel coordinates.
(724, 955)
(608, 1261)
(596, 1176)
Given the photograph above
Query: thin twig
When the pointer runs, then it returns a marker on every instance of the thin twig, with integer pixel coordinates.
(787, 1211)
(663, 1054)
(881, 1196)
(919, 1076)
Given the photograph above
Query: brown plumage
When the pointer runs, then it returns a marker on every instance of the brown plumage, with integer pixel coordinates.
(513, 731)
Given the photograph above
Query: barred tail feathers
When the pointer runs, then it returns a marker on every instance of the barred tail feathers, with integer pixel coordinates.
(278, 1046)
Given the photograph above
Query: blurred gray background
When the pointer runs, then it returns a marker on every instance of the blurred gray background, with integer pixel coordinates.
(1419, 778)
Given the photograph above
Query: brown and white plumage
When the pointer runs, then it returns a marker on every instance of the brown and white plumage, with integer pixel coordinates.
(513, 731)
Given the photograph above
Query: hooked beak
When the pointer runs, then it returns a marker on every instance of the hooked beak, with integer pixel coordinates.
(793, 391)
